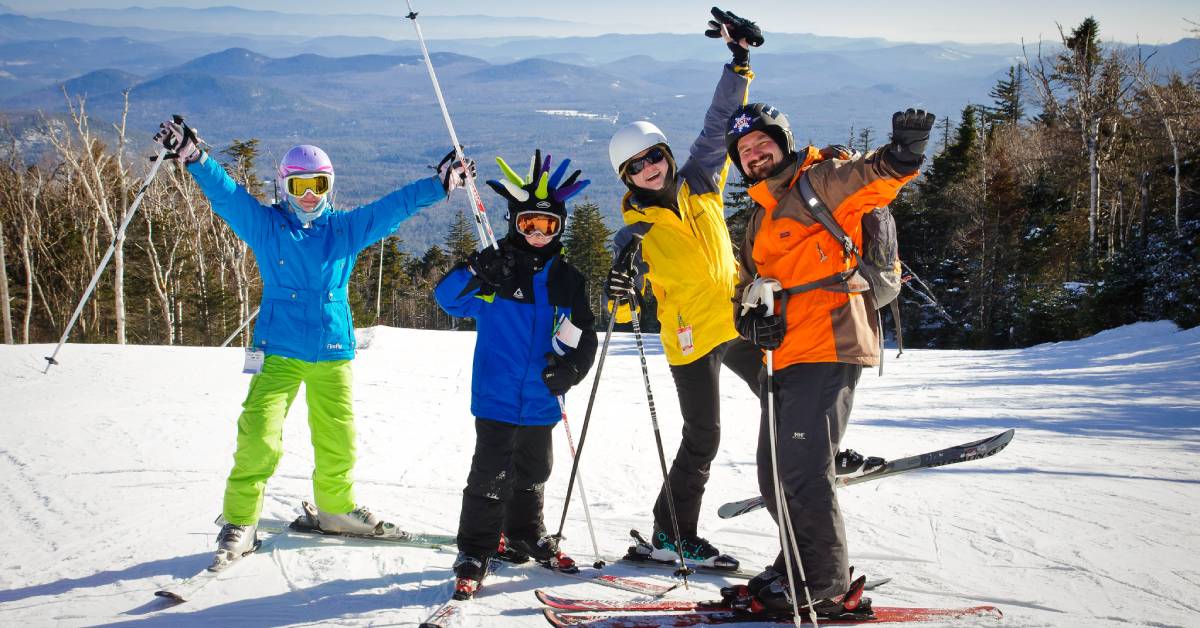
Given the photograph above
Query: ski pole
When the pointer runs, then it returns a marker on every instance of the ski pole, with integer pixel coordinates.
(587, 418)
(683, 571)
(587, 513)
(762, 292)
(241, 327)
(482, 226)
(137, 200)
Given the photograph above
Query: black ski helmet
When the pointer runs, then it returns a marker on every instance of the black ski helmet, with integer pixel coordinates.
(758, 116)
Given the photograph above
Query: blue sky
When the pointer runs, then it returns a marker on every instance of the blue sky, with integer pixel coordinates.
(1005, 21)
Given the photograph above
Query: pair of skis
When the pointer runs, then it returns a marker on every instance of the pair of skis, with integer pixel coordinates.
(973, 450)
(562, 611)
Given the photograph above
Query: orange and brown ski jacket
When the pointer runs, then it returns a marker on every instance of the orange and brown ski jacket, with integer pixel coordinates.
(833, 322)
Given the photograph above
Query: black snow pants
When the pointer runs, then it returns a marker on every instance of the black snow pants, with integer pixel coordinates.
(812, 403)
(700, 403)
(505, 489)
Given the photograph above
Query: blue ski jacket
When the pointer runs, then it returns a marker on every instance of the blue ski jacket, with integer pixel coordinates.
(305, 270)
(515, 325)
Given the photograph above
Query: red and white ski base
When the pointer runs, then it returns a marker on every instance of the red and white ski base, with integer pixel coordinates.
(600, 613)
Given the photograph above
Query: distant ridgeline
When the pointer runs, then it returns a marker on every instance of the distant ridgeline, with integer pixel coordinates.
(1005, 226)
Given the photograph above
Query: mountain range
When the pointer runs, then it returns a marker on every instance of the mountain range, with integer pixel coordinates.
(368, 100)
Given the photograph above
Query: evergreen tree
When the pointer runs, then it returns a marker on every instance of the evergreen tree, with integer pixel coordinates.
(738, 206)
(865, 138)
(460, 241)
(243, 166)
(1007, 96)
(585, 246)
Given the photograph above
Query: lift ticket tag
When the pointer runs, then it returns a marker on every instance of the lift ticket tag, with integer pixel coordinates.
(254, 361)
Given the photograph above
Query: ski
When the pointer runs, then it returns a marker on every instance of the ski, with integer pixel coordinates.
(186, 590)
(878, 615)
(307, 524)
(741, 574)
(633, 585)
(950, 455)
(452, 611)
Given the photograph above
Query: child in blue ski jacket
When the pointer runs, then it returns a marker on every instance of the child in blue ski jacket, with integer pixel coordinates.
(535, 340)
(305, 252)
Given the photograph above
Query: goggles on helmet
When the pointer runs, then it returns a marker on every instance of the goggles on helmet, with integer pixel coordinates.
(317, 183)
(545, 223)
(656, 155)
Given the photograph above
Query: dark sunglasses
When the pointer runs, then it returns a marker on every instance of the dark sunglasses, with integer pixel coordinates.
(655, 155)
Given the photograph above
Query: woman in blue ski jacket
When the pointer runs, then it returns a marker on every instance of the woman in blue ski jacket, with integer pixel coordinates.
(305, 251)
(534, 342)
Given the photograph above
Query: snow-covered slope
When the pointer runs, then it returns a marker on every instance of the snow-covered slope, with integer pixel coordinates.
(112, 468)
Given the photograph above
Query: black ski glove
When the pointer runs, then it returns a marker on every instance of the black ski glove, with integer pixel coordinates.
(180, 139)
(453, 173)
(739, 28)
(620, 286)
(763, 330)
(560, 374)
(910, 135)
(492, 267)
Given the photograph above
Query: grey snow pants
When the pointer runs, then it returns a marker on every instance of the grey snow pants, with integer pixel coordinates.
(812, 408)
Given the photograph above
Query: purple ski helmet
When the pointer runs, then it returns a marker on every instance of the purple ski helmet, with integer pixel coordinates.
(304, 159)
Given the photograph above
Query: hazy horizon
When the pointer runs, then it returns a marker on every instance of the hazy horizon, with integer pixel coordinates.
(1163, 21)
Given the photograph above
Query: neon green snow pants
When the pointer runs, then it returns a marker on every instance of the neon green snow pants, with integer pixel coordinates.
(327, 390)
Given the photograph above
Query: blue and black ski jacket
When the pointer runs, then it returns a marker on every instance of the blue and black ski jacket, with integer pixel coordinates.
(515, 324)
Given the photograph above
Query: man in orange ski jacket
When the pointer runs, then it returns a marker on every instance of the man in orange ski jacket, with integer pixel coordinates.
(822, 331)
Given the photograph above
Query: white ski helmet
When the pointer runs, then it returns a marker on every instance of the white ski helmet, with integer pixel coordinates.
(632, 140)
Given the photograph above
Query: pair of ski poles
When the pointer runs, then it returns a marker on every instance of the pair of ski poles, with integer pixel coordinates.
(484, 229)
(762, 293)
(683, 571)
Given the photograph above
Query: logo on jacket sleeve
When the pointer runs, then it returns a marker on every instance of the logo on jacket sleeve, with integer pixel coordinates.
(517, 294)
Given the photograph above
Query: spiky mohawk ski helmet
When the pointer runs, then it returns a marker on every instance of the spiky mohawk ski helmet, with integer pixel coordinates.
(540, 191)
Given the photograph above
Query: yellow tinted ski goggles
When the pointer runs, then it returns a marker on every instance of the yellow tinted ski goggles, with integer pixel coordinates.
(317, 183)
(529, 223)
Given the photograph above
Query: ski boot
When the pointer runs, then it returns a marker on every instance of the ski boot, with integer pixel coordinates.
(544, 550)
(468, 575)
(358, 522)
(233, 542)
(696, 551)
(851, 464)
(776, 598)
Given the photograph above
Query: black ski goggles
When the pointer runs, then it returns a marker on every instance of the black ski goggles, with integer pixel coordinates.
(635, 166)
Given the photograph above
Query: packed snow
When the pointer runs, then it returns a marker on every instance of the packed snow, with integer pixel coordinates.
(112, 468)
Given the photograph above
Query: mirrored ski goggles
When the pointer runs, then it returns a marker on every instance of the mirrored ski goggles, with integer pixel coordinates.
(317, 183)
(529, 223)
(655, 155)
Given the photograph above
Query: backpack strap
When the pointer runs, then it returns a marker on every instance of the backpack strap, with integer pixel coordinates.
(821, 213)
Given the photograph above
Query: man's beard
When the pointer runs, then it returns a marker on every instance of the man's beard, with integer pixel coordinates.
(763, 168)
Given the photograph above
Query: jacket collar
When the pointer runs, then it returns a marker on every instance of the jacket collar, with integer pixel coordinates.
(768, 191)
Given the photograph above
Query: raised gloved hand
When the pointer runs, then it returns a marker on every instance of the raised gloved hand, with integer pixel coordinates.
(763, 329)
(738, 32)
(453, 173)
(493, 267)
(560, 374)
(910, 135)
(179, 139)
